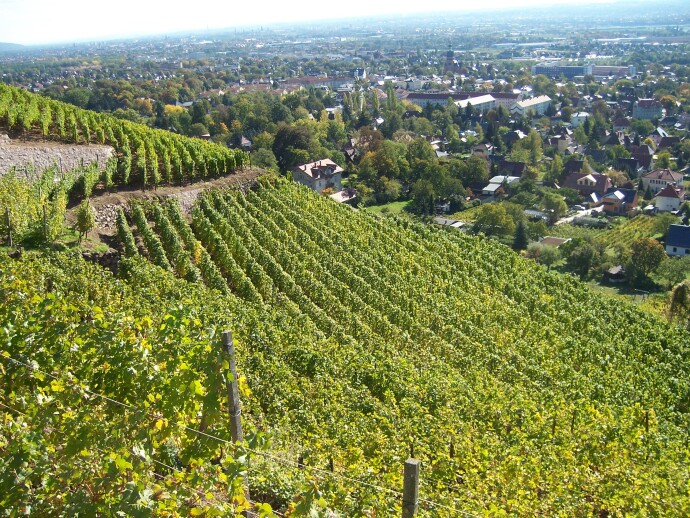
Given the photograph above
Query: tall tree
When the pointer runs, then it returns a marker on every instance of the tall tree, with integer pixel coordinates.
(520, 240)
(646, 254)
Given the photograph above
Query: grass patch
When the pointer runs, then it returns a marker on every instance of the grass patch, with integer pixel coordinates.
(394, 207)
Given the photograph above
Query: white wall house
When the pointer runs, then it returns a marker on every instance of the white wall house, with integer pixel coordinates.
(670, 198)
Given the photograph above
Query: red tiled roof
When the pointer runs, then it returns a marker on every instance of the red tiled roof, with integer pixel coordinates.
(664, 174)
(671, 191)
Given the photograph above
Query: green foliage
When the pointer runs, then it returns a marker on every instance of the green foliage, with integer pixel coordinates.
(646, 254)
(151, 241)
(140, 151)
(18, 204)
(494, 220)
(520, 239)
(413, 334)
(124, 234)
(86, 219)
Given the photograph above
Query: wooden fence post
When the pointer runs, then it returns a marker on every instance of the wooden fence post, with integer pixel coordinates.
(9, 226)
(234, 405)
(410, 488)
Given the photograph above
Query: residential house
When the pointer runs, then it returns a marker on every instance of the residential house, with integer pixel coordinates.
(648, 109)
(621, 124)
(508, 168)
(512, 137)
(319, 175)
(593, 186)
(483, 150)
(629, 165)
(561, 142)
(504, 180)
(660, 178)
(670, 198)
(644, 156)
(579, 118)
(667, 142)
(574, 166)
(620, 201)
(678, 240)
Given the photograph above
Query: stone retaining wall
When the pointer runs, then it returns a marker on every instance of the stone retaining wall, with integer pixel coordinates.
(28, 157)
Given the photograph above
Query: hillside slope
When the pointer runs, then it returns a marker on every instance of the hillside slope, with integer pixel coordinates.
(144, 157)
(518, 388)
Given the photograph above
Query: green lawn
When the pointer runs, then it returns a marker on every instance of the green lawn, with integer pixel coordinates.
(394, 207)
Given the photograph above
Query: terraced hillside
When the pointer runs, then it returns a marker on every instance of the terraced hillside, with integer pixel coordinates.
(517, 388)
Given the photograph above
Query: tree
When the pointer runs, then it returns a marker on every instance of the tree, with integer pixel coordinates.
(583, 258)
(646, 254)
(289, 138)
(556, 170)
(580, 135)
(662, 222)
(86, 219)
(494, 220)
(554, 206)
(549, 256)
(663, 160)
(477, 170)
(423, 197)
(520, 240)
(673, 270)
(679, 307)
(264, 158)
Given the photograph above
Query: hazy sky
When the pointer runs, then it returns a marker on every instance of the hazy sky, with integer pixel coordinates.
(31, 22)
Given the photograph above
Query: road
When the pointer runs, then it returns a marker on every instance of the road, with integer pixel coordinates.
(579, 214)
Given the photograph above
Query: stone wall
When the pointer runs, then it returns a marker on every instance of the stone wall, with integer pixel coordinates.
(27, 157)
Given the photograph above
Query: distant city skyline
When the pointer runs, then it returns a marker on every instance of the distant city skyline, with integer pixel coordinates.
(38, 22)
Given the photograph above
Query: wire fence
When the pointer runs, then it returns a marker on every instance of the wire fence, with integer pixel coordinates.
(431, 506)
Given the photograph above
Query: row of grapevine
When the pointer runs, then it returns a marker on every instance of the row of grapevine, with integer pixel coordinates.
(436, 338)
(145, 157)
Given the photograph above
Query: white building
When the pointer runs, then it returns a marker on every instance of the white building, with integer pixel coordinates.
(670, 198)
(537, 105)
(659, 178)
(483, 103)
(579, 118)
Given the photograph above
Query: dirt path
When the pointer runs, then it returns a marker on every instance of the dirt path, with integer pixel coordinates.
(106, 204)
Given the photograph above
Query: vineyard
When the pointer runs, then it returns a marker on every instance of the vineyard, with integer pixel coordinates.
(518, 389)
(623, 233)
(145, 157)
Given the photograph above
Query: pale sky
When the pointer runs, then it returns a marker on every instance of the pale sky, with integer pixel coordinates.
(32, 22)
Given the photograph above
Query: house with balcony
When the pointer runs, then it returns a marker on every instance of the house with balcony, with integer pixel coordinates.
(592, 186)
(620, 201)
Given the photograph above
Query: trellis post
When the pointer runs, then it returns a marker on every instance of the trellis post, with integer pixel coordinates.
(410, 488)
